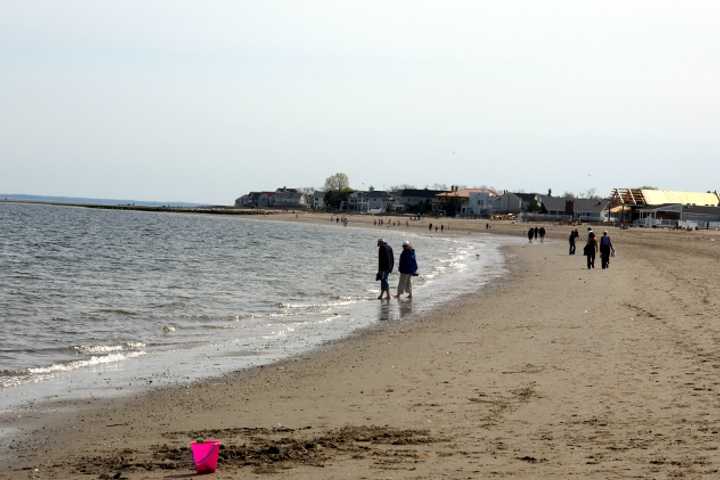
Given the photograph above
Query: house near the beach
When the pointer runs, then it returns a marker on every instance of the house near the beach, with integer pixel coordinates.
(285, 198)
(593, 210)
(318, 200)
(371, 201)
(677, 215)
(652, 207)
(508, 203)
(466, 202)
(567, 208)
(415, 200)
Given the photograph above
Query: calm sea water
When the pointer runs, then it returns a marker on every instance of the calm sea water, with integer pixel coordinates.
(98, 301)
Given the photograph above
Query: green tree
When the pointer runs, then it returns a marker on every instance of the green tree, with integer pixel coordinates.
(337, 182)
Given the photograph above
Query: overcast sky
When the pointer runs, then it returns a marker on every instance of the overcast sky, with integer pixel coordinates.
(203, 101)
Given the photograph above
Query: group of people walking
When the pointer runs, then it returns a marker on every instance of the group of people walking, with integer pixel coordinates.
(592, 246)
(604, 245)
(533, 233)
(407, 268)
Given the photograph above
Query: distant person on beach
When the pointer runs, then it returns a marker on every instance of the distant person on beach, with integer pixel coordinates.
(442, 227)
(573, 237)
(386, 262)
(542, 234)
(590, 249)
(536, 232)
(408, 269)
(530, 234)
(606, 249)
(430, 227)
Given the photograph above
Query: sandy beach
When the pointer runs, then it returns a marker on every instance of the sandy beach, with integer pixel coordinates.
(553, 372)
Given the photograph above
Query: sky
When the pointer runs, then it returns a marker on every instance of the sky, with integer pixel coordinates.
(176, 100)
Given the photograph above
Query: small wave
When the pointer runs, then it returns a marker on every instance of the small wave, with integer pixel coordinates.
(92, 349)
(91, 362)
(99, 349)
(308, 306)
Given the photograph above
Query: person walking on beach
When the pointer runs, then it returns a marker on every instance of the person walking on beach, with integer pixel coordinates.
(530, 234)
(542, 234)
(590, 249)
(386, 262)
(430, 227)
(408, 269)
(573, 236)
(536, 232)
(606, 248)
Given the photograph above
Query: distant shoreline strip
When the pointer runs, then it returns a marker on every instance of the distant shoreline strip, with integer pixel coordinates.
(217, 210)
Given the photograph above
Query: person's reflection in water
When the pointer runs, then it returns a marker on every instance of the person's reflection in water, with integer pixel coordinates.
(384, 313)
(406, 307)
(394, 311)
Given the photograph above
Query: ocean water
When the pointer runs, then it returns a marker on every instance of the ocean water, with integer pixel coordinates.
(96, 302)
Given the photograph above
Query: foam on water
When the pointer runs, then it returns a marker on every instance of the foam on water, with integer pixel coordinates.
(91, 362)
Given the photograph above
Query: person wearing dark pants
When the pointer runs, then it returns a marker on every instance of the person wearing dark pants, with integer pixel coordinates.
(573, 236)
(386, 262)
(606, 249)
(590, 249)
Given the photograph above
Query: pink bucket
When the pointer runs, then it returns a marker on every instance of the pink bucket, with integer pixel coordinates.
(205, 455)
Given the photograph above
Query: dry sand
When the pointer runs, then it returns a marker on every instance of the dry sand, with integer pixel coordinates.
(554, 372)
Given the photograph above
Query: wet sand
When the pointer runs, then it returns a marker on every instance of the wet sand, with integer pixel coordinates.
(554, 372)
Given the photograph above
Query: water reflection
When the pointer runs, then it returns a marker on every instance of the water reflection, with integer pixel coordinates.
(405, 307)
(394, 309)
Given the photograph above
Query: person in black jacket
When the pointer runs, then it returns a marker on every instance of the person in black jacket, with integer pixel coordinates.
(590, 249)
(573, 237)
(386, 262)
(606, 249)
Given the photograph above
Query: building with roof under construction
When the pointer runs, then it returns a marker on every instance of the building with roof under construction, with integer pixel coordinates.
(663, 208)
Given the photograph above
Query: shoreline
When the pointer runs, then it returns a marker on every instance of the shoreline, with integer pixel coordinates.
(41, 413)
(525, 378)
(102, 383)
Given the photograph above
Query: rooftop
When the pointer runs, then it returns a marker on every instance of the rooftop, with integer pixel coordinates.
(465, 192)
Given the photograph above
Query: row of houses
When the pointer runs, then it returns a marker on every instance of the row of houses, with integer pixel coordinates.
(472, 202)
(644, 207)
(372, 201)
